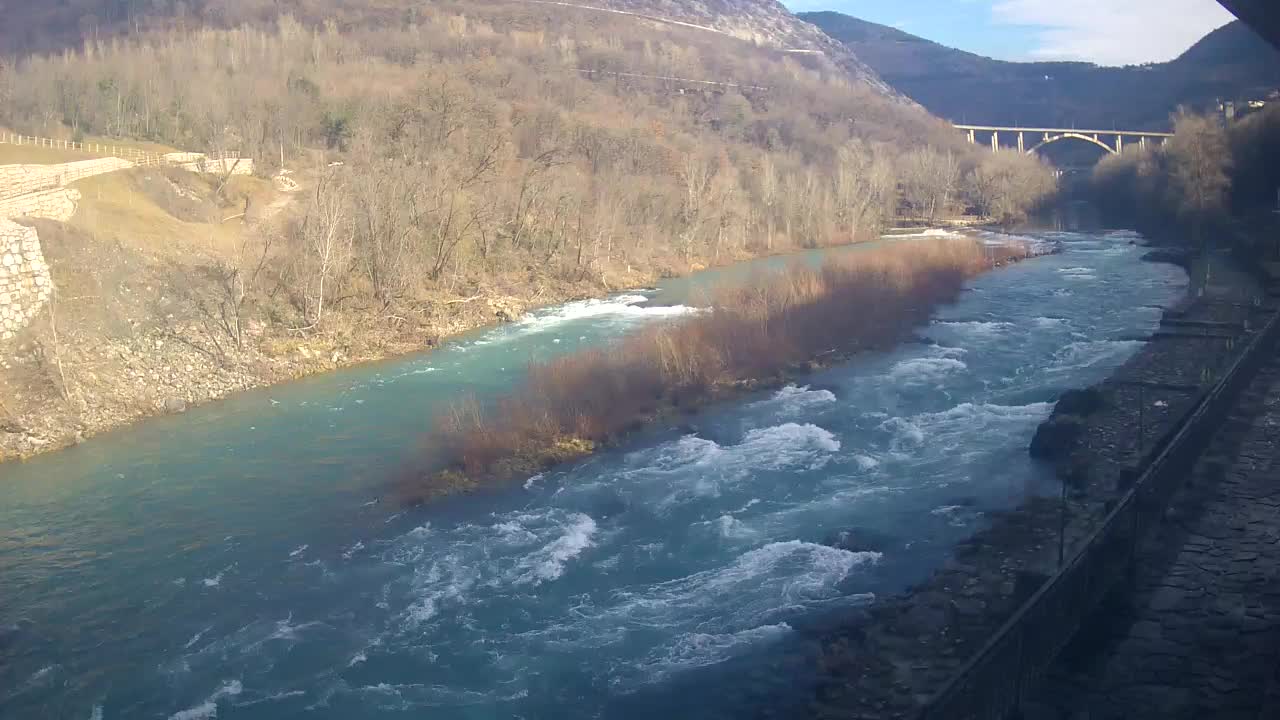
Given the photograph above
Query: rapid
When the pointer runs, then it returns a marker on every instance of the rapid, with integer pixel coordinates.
(246, 560)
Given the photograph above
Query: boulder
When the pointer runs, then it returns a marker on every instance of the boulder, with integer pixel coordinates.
(1056, 437)
(1080, 402)
(506, 309)
(175, 405)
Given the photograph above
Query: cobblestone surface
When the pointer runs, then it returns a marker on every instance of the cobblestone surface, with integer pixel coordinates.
(1199, 637)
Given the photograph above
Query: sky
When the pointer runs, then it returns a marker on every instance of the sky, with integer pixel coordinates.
(1107, 32)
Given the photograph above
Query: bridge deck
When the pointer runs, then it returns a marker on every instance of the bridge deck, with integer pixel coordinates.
(1059, 131)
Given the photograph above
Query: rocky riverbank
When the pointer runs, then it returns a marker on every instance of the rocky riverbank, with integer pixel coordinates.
(890, 658)
(92, 382)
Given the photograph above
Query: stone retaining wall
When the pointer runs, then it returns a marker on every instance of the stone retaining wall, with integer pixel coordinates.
(58, 204)
(19, 180)
(233, 166)
(41, 191)
(25, 282)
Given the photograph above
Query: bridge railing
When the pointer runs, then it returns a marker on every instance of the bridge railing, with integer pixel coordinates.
(998, 679)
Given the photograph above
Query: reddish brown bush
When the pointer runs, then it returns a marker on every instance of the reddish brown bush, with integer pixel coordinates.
(860, 301)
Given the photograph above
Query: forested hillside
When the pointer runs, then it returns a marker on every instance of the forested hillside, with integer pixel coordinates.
(461, 161)
(1231, 63)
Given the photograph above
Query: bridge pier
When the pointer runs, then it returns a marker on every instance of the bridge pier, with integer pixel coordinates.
(1053, 135)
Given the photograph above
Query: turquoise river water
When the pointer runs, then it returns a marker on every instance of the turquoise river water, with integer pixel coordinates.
(238, 561)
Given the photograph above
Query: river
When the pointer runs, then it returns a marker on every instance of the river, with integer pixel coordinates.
(241, 561)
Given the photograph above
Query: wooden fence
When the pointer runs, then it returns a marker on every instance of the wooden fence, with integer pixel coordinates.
(132, 154)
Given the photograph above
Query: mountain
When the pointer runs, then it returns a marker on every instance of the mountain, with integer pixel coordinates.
(764, 22)
(1229, 63)
(50, 26)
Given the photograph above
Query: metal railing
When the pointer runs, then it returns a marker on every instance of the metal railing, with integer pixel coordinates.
(995, 682)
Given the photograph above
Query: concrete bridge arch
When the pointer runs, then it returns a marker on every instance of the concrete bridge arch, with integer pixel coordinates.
(1048, 136)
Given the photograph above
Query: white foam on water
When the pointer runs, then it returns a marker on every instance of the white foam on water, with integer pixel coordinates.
(1090, 353)
(975, 328)
(956, 427)
(549, 562)
(196, 638)
(788, 445)
(719, 609)
(274, 697)
(866, 462)
(214, 581)
(1037, 245)
(683, 470)
(905, 433)
(209, 708)
(356, 659)
(794, 401)
(203, 711)
(697, 650)
(925, 370)
(929, 233)
(96, 713)
(1049, 322)
(286, 630)
(299, 550)
(731, 528)
(513, 532)
(351, 551)
(531, 482)
(625, 308)
(790, 573)
(957, 515)
(1123, 234)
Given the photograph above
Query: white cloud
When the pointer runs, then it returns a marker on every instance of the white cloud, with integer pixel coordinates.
(1112, 32)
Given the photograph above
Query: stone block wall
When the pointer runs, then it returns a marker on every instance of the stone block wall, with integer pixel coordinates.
(234, 166)
(58, 204)
(20, 180)
(25, 283)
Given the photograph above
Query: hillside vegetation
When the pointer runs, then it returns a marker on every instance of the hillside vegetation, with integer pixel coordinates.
(1208, 184)
(779, 324)
(462, 161)
(1230, 63)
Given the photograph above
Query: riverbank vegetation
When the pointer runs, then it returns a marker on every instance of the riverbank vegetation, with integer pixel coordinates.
(456, 163)
(1210, 182)
(758, 332)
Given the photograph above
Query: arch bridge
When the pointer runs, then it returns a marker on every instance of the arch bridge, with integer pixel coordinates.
(1030, 140)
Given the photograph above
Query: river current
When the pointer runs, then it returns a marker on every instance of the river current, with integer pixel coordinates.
(245, 560)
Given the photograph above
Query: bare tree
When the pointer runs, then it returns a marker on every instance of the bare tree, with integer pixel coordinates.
(929, 179)
(1199, 157)
(326, 237)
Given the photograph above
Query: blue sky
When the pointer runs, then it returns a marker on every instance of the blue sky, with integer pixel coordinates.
(1108, 32)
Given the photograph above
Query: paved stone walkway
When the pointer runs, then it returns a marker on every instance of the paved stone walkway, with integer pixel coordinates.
(1199, 638)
